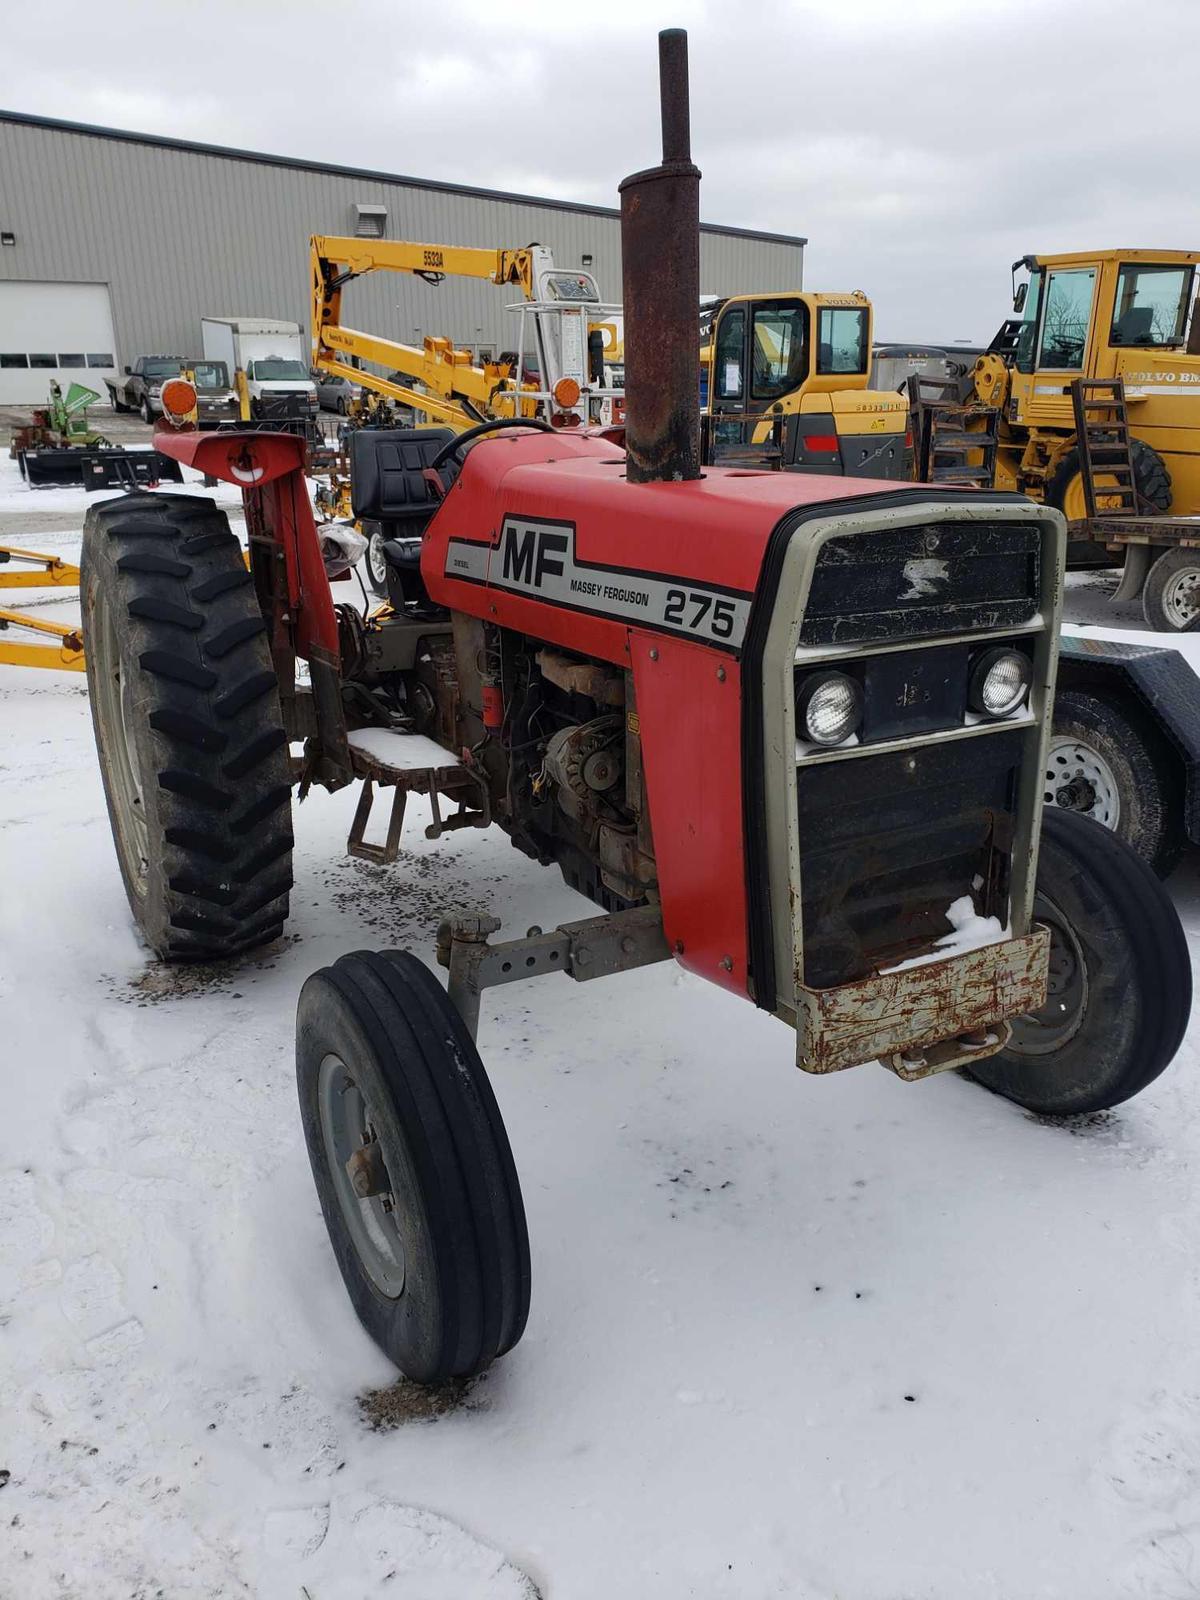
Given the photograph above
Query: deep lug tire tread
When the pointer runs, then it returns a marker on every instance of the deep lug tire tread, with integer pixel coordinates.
(470, 1199)
(1139, 970)
(213, 751)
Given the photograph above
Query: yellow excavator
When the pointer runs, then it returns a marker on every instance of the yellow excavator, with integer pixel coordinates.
(1089, 398)
(784, 382)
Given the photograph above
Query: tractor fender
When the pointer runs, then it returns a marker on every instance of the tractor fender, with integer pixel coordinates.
(1164, 687)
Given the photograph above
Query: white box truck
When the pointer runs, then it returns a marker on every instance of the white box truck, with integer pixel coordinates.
(274, 357)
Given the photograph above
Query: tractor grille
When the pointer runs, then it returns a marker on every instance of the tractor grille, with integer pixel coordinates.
(910, 583)
(888, 845)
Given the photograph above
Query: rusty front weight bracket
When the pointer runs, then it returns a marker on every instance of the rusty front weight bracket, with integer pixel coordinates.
(594, 948)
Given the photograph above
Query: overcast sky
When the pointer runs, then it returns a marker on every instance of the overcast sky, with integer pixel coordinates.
(921, 145)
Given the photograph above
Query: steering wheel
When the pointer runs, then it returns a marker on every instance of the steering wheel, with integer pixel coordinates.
(480, 428)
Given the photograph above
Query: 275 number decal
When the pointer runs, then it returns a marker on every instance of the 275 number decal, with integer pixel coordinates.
(720, 614)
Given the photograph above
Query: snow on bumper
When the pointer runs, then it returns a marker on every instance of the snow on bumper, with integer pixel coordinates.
(924, 1018)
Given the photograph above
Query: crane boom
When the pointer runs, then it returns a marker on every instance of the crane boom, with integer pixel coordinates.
(454, 390)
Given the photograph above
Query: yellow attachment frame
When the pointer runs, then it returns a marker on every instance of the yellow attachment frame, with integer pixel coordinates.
(50, 573)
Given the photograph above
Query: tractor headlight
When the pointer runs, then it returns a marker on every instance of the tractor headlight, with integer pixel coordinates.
(829, 707)
(1000, 682)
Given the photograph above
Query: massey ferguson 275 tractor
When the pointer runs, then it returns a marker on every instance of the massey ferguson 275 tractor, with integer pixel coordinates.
(786, 730)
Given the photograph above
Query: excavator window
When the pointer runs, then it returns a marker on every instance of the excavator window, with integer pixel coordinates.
(1151, 306)
(778, 349)
(731, 341)
(842, 340)
(1069, 296)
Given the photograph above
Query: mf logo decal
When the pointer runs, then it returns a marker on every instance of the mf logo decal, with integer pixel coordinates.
(538, 559)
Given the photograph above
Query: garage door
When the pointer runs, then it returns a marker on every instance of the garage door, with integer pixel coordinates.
(53, 330)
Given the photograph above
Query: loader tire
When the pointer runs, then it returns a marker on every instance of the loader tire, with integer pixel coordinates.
(189, 732)
(1108, 761)
(434, 1252)
(1120, 991)
(1150, 477)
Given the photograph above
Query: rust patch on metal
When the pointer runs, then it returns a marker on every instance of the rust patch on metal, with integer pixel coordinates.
(926, 1008)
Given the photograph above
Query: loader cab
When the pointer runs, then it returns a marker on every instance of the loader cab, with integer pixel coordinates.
(784, 384)
(1105, 314)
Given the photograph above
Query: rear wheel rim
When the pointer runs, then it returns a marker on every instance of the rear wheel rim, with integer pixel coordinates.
(125, 780)
(376, 560)
(1181, 596)
(1042, 1033)
(1078, 778)
(348, 1123)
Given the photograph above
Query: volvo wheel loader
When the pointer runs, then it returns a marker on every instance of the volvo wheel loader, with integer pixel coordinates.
(783, 729)
(1089, 399)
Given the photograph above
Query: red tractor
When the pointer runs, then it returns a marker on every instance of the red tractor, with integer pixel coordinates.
(788, 731)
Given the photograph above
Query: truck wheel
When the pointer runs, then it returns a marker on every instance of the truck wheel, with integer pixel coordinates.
(412, 1166)
(1108, 760)
(1120, 990)
(1171, 596)
(189, 732)
(377, 570)
(146, 413)
(116, 404)
(1150, 477)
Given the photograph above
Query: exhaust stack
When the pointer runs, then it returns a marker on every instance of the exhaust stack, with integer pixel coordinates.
(660, 257)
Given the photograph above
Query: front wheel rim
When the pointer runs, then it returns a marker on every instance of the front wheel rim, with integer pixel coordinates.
(1044, 1032)
(1078, 778)
(348, 1124)
(1181, 596)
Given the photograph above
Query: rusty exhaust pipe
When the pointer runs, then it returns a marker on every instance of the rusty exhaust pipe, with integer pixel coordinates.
(660, 259)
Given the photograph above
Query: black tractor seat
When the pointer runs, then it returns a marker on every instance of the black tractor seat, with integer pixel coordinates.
(388, 482)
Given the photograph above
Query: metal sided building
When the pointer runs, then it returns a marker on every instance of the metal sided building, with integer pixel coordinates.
(115, 244)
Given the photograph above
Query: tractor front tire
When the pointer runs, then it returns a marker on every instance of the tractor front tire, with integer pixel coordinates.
(1120, 991)
(189, 731)
(412, 1166)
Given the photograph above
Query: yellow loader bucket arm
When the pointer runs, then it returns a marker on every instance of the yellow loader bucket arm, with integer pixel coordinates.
(48, 572)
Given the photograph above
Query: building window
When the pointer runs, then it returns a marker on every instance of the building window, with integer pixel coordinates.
(104, 359)
(43, 360)
(72, 358)
(13, 358)
(370, 222)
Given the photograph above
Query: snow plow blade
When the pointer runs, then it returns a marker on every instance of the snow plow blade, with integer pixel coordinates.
(97, 469)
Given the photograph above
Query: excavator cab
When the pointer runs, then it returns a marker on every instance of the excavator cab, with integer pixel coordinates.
(784, 384)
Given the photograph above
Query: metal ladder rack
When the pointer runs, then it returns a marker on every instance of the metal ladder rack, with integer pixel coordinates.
(1102, 428)
(942, 436)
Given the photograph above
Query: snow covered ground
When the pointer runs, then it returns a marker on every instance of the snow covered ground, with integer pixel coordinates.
(845, 1339)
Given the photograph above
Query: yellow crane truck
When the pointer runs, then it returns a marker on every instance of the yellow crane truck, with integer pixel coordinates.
(1089, 399)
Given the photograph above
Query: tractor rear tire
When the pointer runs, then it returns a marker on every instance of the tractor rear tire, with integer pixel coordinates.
(1108, 761)
(1171, 594)
(433, 1249)
(189, 731)
(1150, 476)
(1120, 978)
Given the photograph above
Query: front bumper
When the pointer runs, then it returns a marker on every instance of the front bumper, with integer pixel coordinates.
(914, 1019)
